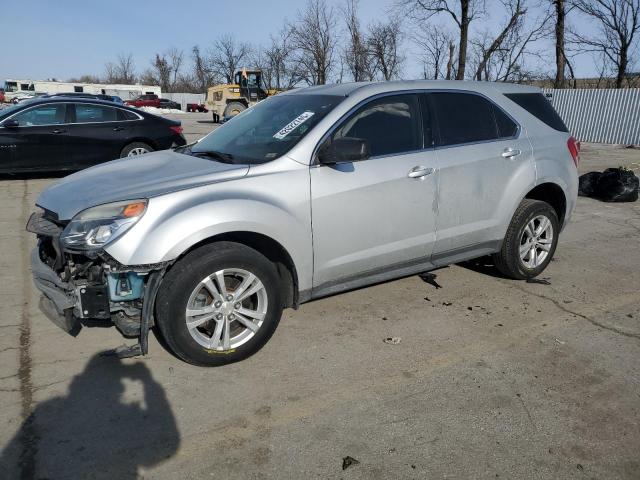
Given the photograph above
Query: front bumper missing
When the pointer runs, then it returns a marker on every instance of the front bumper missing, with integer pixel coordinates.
(60, 300)
(57, 301)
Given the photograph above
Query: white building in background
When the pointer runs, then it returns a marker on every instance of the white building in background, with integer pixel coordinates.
(125, 92)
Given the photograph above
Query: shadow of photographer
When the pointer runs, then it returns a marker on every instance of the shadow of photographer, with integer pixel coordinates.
(94, 431)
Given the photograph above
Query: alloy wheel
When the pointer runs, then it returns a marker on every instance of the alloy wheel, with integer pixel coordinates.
(137, 151)
(226, 309)
(536, 241)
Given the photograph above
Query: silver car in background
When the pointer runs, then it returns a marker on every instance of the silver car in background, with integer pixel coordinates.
(309, 193)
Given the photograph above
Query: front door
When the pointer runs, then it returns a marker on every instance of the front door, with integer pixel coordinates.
(39, 142)
(377, 214)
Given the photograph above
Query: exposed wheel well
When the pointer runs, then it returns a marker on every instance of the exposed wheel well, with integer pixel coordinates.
(553, 195)
(271, 249)
(149, 142)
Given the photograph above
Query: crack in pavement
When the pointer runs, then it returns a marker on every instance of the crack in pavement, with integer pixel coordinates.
(577, 314)
(29, 437)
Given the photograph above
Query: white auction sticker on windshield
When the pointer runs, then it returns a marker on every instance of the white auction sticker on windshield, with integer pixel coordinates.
(287, 129)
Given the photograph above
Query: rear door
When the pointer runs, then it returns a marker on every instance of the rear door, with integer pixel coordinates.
(378, 214)
(39, 142)
(98, 134)
(482, 156)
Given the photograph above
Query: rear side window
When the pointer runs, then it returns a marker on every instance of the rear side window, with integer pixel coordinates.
(538, 106)
(390, 125)
(87, 113)
(463, 118)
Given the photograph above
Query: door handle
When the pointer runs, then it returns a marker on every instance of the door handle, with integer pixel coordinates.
(511, 152)
(419, 172)
(57, 131)
(118, 129)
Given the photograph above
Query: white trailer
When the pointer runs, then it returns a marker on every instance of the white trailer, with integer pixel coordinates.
(126, 92)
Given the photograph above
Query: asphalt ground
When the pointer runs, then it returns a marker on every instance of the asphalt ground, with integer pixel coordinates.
(492, 378)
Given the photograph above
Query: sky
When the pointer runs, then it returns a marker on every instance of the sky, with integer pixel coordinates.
(68, 38)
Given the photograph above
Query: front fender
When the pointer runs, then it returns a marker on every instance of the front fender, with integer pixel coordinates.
(175, 222)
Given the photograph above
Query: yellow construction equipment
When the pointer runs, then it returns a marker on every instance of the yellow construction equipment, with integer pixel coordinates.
(228, 100)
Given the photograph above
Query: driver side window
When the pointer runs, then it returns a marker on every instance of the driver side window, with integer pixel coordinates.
(390, 125)
(51, 114)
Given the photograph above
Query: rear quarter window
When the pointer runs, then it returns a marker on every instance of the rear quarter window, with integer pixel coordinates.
(126, 115)
(538, 106)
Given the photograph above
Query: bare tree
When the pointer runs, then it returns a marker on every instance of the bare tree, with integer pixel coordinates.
(435, 50)
(227, 56)
(462, 12)
(384, 45)
(314, 38)
(510, 61)
(176, 59)
(203, 78)
(122, 71)
(618, 23)
(356, 55)
(162, 72)
(516, 10)
(559, 34)
(165, 71)
(274, 62)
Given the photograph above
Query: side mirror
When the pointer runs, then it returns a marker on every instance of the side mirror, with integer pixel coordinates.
(11, 123)
(344, 150)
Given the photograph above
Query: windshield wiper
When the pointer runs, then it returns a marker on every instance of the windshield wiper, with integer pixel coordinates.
(220, 156)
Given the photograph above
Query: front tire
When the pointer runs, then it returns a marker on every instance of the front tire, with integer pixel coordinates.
(219, 304)
(530, 242)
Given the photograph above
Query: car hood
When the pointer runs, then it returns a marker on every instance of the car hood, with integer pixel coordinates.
(142, 176)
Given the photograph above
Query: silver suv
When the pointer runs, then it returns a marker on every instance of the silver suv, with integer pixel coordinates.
(309, 193)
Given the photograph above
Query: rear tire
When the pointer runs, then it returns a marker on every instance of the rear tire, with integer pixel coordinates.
(233, 109)
(530, 242)
(134, 149)
(238, 326)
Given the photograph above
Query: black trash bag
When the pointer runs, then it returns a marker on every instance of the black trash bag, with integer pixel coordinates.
(617, 185)
(587, 183)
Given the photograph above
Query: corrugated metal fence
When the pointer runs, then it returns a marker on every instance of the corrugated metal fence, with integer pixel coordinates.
(601, 116)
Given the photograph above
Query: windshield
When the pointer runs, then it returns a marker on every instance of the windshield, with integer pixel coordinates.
(268, 130)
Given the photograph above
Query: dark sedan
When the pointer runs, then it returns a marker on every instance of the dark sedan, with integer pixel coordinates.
(166, 103)
(94, 96)
(70, 134)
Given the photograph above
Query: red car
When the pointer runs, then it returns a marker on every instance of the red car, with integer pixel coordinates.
(196, 107)
(148, 100)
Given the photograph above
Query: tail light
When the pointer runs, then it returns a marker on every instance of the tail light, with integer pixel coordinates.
(574, 149)
(176, 129)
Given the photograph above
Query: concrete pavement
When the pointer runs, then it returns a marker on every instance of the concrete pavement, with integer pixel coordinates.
(493, 378)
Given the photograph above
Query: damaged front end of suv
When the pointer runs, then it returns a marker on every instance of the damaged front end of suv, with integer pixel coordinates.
(82, 284)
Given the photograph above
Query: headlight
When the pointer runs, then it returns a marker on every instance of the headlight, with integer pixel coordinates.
(93, 228)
